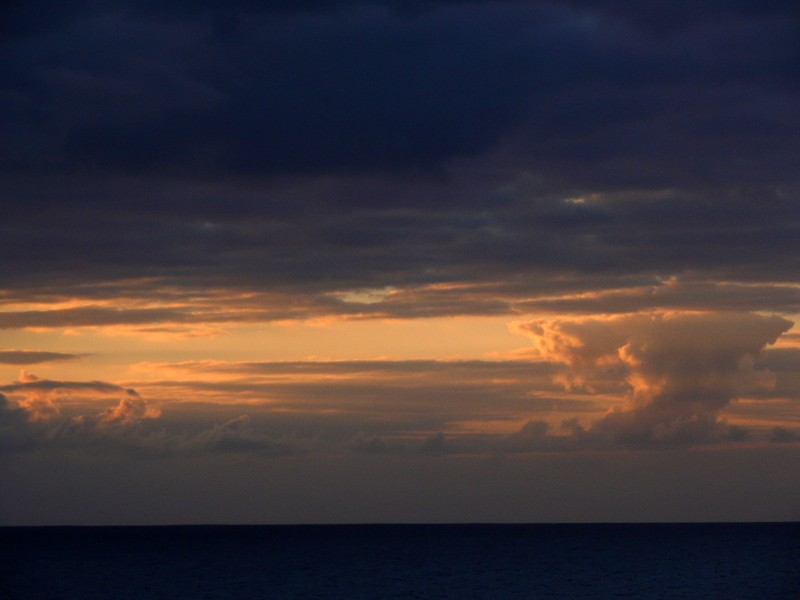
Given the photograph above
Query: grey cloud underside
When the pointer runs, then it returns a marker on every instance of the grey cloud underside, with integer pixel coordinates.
(325, 146)
(522, 246)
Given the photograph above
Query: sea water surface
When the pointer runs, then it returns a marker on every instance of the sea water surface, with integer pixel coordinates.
(706, 561)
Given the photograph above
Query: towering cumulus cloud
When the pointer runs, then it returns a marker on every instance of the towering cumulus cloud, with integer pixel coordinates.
(681, 369)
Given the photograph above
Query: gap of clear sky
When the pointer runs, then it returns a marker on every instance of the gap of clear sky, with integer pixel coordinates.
(399, 261)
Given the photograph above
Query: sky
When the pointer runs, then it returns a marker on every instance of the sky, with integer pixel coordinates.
(399, 261)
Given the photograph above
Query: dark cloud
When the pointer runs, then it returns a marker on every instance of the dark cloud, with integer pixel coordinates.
(471, 369)
(356, 90)
(30, 382)
(781, 435)
(331, 146)
(366, 87)
(86, 316)
(673, 294)
(523, 255)
(32, 357)
(13, 425)
(785, 364)
(238, 436)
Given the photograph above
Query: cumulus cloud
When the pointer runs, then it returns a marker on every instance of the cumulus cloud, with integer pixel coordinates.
(130, 410)
(32, 418)
(37, 408)
(681, 369)
(37, 402)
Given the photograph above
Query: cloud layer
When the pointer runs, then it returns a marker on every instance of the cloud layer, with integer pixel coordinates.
(522, 150)
(655, 380)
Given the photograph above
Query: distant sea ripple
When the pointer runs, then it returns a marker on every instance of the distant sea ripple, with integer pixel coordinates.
(706, 561)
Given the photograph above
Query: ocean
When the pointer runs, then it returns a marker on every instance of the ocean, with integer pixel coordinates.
(670, 561)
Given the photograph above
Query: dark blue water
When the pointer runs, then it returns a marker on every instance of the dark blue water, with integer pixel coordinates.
(402, 561)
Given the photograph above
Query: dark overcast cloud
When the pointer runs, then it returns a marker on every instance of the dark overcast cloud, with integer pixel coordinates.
(366, 87)
(321, 146)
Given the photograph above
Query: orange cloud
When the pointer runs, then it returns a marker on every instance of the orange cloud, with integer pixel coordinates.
(128, 411)
(682, 369)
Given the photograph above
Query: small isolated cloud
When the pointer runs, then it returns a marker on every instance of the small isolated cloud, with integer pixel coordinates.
(681, 369)
(25, 377)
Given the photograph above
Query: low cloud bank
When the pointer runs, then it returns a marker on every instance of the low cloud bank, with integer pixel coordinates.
(34, 416)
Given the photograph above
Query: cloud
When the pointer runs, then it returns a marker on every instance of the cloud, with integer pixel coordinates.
(58, 416)
(673, 294)
(682, 369)
(651, 379)
(277, 408)
(239, 436)
(130, 410)
(504, 249)
(28, 382)
(14, 425)
(261, 147)
(456, 369)
(39, 396)
(196, 168)
(32, 357)
(342, 98)
(86, 316)
(45, 410)
(782, 435)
